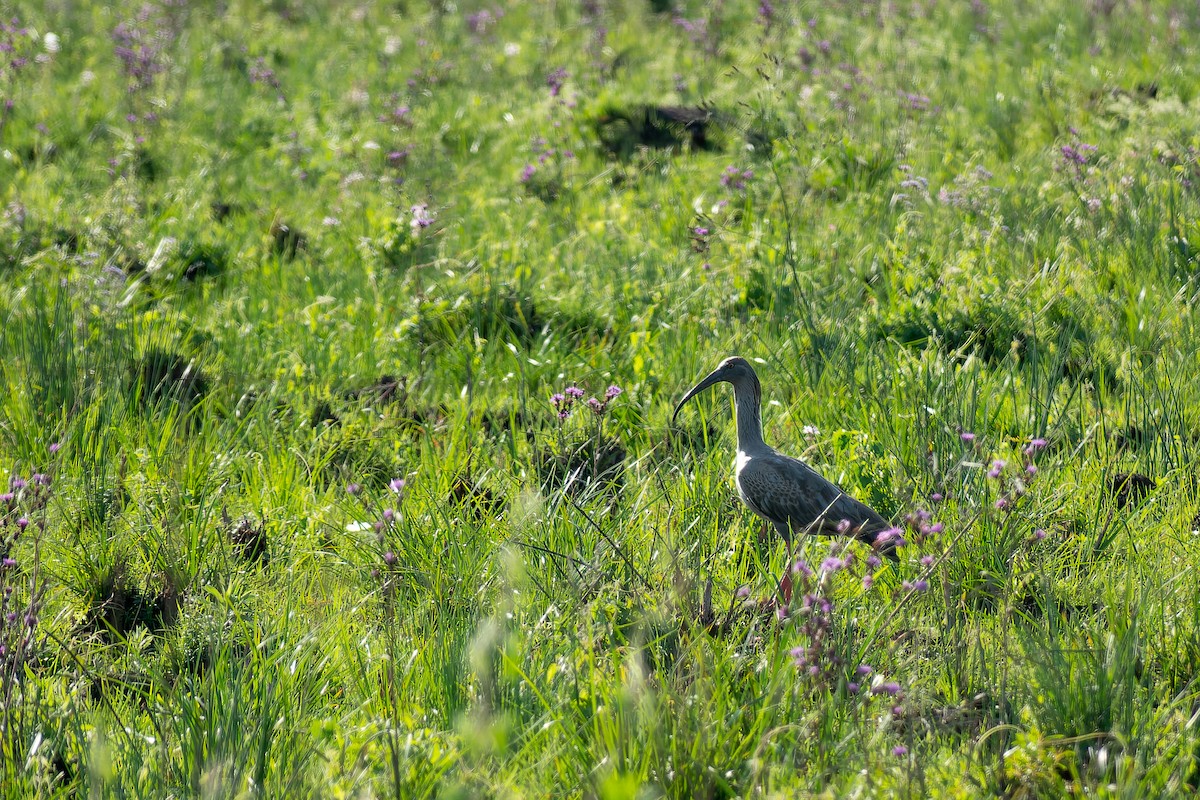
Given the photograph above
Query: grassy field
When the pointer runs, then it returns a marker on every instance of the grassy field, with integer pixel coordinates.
(287, 289)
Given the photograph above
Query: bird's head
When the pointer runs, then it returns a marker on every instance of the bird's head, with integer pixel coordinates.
(735, 370)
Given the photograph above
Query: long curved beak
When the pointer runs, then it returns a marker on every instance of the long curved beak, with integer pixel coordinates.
(709, 380)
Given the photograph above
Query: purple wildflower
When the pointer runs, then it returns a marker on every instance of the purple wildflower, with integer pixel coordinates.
(967, 436)
(555, 80)
(421, 217)
(899, 750)
(736, 178)
(611, 392)
(397, 485)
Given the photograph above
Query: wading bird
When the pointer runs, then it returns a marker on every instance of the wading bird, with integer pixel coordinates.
(785, 491)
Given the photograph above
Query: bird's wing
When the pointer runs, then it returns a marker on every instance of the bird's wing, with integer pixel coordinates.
(790, 493)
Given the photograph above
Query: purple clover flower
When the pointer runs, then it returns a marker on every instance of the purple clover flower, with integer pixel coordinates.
(832, 564)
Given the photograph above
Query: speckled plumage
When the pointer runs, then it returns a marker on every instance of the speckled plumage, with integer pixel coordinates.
(783, 490)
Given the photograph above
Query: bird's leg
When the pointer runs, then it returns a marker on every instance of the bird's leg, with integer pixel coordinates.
(785, 583)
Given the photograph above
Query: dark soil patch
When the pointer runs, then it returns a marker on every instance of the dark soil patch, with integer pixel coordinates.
(583, 465)
(249, 540)
(504, 313)
(323, 415)
(623, 131)
(164, 375)
(476, 501)
(1128, 488)
(388, 389)
(201, 260)
(506, 419)
(222, 211)
(118, 605)
(287, 241)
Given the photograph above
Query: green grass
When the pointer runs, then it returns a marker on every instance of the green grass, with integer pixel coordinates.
(313, 246)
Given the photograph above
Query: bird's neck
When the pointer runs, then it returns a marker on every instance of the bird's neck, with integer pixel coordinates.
(747, 401)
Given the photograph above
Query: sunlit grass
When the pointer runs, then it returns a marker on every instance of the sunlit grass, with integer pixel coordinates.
(288, 290)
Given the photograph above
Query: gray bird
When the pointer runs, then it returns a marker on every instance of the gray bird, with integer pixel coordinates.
(785, 491)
